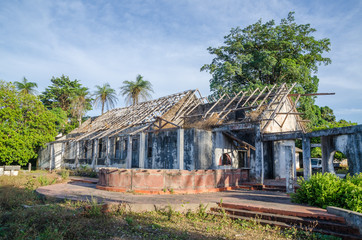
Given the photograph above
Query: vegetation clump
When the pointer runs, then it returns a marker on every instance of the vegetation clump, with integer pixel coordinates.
(327, 189)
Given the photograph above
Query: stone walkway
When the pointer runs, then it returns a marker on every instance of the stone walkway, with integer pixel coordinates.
(180, 202)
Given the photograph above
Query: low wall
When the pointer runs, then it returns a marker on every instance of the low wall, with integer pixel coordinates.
(157, 181)
(351, 217)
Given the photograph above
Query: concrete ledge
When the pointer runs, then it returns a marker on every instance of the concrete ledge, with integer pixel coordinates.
(351, 217)
(168, 191)
(161, 181)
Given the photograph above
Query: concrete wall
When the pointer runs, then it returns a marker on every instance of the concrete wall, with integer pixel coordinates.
(174, 181)
(50, 157)
(223, 145)
(164, 149)
(280, 161)
(350, 145)
(197, 149)
(290, 121)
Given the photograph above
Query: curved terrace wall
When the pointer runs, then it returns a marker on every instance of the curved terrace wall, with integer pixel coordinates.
(160, 181)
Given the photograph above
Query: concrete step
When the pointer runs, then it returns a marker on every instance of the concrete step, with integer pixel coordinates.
(318, 216)
(292, 220)
(84, 180)
(272, 188)
(286, 225)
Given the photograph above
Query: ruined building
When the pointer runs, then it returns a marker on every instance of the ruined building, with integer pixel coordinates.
(186, 131)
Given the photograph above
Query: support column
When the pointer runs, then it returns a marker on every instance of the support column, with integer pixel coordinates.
(129, 153)
(52, 157)
(108, 146)
(180, 148)
(95, 153)
(62, 155)
(307, 165)
(289, 160)
(142, 150)
(259, 157)
(76, 162)
(327, 154)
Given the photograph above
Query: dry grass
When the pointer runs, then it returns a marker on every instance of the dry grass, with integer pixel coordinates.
(86, 220)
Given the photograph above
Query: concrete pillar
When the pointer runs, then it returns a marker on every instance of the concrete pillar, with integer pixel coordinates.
(327, 154)
(129, 153)
(76, 162)
(307, 165)
(108, 147)
(142, 150)
(62, 154)
(259, 157)
(290, 163)
(180, 148)
(52, 157)
(95, 153)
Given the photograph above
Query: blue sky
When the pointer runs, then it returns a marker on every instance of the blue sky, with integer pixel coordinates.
(166, 41)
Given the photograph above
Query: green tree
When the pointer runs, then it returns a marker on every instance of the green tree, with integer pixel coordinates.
(134, 91)
(71, 97)
(266, 54)
(106, 96)
(60, 93)
(26, 87)
(80, 104)
(25, 125)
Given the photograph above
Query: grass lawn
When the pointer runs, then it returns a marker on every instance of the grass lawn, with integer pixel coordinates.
(24, 215)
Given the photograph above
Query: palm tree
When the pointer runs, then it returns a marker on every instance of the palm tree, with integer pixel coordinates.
(106, 96)
(136, 90)
(26, 87)
(80, 103)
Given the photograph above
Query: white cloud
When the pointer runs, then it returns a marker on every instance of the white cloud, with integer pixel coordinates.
(165, 41)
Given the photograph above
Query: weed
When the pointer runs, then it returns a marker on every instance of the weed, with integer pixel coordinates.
(64, 173)
(202, 213)
(93, 209)
(129, 220)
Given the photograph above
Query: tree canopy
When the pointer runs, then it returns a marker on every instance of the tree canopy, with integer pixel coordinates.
(69, 96)
(26, 87)
(266, 54)
(25, 125)
(135, 91)
(105, 96)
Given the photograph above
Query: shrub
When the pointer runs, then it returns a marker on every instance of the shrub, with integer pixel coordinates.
(64, 173)
(327, 189)
(84, 171)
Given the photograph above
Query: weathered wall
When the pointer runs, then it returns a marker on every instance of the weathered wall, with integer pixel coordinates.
(164, 150)
(350, 145)
(280, 161)
(221, 145)
(290, 121)
(47, 159)
(174, 181)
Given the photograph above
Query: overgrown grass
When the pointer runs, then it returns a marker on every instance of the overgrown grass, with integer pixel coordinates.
(88, 220)
(83, 171)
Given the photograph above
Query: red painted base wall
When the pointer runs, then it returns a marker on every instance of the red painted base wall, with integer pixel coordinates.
(159, 181)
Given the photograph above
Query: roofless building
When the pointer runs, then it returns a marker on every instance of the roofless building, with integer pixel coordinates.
(187, 134)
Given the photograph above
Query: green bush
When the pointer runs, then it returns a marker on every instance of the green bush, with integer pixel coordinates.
(84, 171)
(327, 189)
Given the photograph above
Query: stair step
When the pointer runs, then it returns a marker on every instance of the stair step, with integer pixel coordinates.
(309, 222)
(84, 180)
(286, 225)
(326, 216)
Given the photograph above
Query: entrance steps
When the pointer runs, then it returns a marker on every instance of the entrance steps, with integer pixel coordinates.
(83, 179)
(264, 187)
(321, 223)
